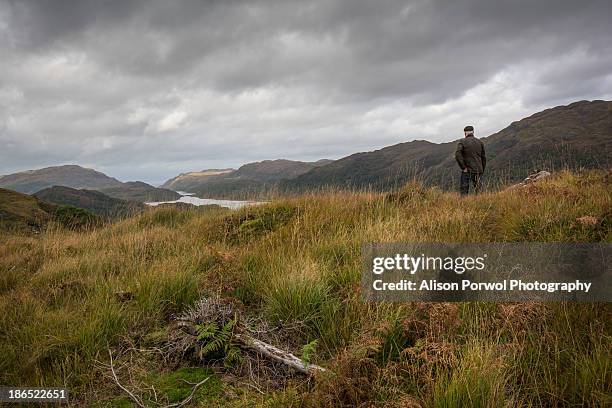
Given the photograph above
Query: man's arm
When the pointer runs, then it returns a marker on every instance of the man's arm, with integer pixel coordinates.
(459, 156)
(483, 156)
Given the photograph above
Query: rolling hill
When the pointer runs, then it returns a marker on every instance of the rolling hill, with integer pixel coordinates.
(22, 213)
(139, 191)
(73, 176)
(78, 177)
(578, 135)
(91, 200)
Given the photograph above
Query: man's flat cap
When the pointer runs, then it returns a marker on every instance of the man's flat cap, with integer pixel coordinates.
(468, 129)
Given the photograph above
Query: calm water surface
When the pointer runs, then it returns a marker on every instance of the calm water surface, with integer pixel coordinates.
(189, 198)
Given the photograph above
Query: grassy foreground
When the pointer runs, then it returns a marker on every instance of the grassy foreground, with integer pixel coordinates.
(296, 261)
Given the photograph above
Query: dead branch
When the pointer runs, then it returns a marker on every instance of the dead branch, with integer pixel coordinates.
(277, 354)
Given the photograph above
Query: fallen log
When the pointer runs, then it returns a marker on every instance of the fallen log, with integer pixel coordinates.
(276, 354)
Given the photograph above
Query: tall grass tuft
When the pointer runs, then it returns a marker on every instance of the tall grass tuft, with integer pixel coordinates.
(478, 381)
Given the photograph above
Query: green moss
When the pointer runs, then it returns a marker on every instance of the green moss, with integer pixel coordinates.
(177, 385)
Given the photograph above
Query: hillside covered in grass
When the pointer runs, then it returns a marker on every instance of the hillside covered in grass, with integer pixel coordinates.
(90, 200)
(25, 214)
(20, 212)
(292, 268)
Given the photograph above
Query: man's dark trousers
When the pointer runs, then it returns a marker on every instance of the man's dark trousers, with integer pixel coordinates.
(467, 178)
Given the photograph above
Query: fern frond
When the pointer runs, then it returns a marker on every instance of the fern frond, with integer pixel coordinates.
(206, 331)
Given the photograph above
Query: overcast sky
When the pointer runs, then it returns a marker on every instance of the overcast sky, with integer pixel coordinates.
(148, 89)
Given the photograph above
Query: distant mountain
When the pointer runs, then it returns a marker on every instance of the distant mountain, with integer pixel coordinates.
(250, 180)
(23, 213)
(273, 170)
(139, 191)
(187, 181)
(572, 136)
(73, 176)
(78, 177)
(91, 200)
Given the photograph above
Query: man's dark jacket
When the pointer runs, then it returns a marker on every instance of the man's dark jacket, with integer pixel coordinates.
(470, 154)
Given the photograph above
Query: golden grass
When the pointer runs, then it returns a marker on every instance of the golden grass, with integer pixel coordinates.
(298, 260)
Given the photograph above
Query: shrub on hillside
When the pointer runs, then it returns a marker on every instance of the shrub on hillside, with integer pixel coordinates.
(75, 218)
(256, 221)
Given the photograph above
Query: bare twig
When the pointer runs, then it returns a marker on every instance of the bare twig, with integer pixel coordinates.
(256, 388)
(138, 401)
(128, 392)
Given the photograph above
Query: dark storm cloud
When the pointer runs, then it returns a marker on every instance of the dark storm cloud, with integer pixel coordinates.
(171, 85)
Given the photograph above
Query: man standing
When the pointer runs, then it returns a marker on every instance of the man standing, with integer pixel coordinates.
(471, 158)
